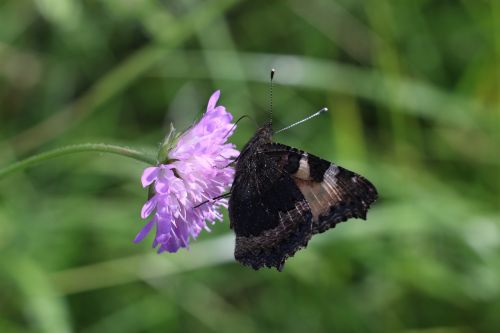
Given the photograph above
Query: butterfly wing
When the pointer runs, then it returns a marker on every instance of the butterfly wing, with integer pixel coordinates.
(269, 214)
(334, 194)
(281, 196)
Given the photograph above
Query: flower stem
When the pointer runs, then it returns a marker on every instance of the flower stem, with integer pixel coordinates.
(81, 148)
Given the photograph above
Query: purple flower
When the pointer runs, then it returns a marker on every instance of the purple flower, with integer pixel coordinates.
(196, 170)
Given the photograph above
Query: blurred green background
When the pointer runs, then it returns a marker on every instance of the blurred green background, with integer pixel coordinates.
(413, 89)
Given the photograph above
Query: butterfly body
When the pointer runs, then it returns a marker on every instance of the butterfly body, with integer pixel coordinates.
(282, 196)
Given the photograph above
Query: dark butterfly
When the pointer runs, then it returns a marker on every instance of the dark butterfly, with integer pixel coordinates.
(282, 196)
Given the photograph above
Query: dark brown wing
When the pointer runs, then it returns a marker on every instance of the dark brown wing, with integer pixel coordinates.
(269, 214)
(333, 193)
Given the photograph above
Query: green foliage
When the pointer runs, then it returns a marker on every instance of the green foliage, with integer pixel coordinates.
(413, 92)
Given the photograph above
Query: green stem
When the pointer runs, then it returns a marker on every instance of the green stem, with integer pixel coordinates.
(81, 148)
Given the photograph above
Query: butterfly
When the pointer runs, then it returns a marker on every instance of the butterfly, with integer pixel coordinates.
(282, 196)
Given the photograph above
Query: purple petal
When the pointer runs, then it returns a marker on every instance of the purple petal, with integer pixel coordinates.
(162, 187)
(144, 231)
(172, 245)
(148, 207)
(164, 227)
(148, 176)
(213, 100)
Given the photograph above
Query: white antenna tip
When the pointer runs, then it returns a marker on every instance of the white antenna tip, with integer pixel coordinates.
(323, 110)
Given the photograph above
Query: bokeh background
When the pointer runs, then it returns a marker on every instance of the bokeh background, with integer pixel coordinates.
(413, 92)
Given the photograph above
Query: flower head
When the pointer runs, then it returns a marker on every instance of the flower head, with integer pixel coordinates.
(196, 170)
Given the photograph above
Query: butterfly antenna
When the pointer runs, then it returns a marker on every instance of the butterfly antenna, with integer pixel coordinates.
(323, 110)
(271, 98)
(236, 123)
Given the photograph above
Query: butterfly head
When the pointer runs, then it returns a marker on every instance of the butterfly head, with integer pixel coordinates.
(262, 137)
(265, 133)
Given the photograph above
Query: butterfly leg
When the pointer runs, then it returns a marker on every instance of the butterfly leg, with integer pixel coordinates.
(225, 195)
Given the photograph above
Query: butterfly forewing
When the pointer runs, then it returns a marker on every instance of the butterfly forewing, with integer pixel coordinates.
(333, 193)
